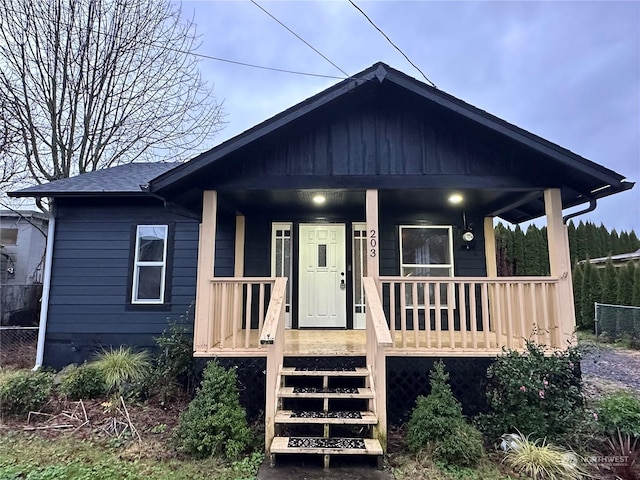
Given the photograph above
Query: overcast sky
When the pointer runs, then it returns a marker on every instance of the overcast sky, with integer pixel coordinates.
(567, 71)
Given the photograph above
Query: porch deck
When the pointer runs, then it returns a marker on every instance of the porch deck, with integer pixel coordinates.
(330, 343)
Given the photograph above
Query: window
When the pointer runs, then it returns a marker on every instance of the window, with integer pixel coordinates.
(426, 252)
(8, 236)
(281, 259)
(150, 264)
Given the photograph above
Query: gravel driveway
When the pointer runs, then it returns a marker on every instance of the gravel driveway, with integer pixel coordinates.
(605, 369)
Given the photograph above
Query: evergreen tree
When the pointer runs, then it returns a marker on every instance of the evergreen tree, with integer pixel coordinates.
(573, 241)
(582, 252)
(518, 251)
(635, 299)
(577, 275)
(591, 292)
(634, 242)
(532, 254)
(625, 284)
(609, 277)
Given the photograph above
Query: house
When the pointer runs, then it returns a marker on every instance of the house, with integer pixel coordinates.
(620, 260)
(354, 229)
(22, 247)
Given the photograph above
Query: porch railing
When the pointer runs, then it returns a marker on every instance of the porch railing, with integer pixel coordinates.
(236, 307)
(378, 339)
(272, 336)
(471, 313)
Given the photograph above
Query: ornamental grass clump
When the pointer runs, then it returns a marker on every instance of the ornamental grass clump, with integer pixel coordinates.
(437, 425)
(534, 393)
(539, 460)
(123, 369)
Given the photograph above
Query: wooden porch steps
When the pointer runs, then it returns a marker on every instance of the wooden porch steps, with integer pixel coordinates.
(326, 412)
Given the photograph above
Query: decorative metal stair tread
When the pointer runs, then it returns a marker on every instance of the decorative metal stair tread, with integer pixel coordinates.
(326, 446)
(312, 392)
(320, 417)
(338, 372)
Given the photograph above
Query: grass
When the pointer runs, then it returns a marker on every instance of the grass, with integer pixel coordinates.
(66, 458)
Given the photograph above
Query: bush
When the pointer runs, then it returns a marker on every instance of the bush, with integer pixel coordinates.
(437, 424)
(214, 423)
(123, 369)
(534, 393)
(619, 411)
(85, 381)
(24, 391)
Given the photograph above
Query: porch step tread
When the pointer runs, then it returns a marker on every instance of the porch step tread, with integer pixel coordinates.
(325, 418)
(303, 372)
(326, 446)
(311, 392)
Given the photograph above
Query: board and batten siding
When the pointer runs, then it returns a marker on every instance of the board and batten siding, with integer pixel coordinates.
(89, 307)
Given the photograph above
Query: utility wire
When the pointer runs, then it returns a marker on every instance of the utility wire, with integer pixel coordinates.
(202, 55)
(391, 42)
(299, 37)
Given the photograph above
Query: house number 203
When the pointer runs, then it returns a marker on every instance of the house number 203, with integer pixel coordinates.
(373, 243)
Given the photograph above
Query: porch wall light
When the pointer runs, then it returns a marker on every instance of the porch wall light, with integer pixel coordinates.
(455, 198)
(319, 199)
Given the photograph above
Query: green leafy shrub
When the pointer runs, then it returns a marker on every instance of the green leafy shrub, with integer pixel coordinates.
(437, 424)
(23, 391)
(123, 369)
(619, 411)
(534, 393)
(83, 382)
(174, 367)
(214, 423)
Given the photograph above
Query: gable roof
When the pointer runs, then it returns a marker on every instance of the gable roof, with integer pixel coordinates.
(584, 179)
(125, 179)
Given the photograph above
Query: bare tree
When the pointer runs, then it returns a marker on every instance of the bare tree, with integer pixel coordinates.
(90, 84)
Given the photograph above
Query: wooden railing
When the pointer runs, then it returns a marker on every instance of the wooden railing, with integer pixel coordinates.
(235, 306)
(378, 339)
(272, 336)
(471, 313)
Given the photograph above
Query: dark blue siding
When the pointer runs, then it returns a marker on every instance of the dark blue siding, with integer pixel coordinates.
(90, 286)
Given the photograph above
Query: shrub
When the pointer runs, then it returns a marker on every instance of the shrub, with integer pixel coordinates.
(619, 411)
(123, 368)
(540, 461)
(85, 381)
(214, 423)
(437, 423)
(24, 391)
(534, 393)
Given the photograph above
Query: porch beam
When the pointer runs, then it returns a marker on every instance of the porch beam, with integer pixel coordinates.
(490, 247)
(373, 235)
(206, 259)
(560, 266)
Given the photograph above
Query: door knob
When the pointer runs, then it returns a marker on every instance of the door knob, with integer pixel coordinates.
(342, 284)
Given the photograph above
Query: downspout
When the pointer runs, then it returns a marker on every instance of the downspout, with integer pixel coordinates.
(592, 206)
(46, 287)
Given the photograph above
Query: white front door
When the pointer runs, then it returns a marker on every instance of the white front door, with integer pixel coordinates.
(322, 279)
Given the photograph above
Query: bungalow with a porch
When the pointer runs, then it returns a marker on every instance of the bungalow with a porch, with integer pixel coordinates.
(346, 242)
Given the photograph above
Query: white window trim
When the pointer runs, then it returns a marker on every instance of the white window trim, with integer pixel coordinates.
(359, 321)
(137, 264)
(449, 228)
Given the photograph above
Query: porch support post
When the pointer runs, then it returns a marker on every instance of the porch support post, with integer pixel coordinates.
(560, 266)
(202, 329)
(238, 270)
(373, 235)
(490, 247)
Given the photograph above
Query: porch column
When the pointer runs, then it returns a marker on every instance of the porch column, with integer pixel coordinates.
(202, 334)
(373, 235)
(238, 269)
(490, 247)
(560, 266)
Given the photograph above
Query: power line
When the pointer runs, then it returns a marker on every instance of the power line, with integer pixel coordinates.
(391, 42)
(299, 37)
(202, 55)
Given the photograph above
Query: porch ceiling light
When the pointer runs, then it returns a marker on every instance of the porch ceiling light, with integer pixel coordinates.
(319, 199)
(455, 198)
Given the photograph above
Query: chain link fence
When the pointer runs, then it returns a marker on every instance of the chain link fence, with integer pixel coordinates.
(18, 346)
(616, 322)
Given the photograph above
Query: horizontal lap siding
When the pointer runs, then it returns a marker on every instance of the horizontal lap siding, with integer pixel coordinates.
(90, 285)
